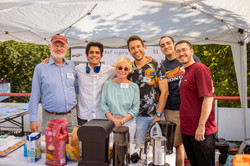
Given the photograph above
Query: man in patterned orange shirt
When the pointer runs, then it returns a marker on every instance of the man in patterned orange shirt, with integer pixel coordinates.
(151, 79)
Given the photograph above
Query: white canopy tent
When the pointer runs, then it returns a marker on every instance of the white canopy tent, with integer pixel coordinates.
(113, 21)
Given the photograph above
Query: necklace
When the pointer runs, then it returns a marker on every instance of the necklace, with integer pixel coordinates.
(119, 82)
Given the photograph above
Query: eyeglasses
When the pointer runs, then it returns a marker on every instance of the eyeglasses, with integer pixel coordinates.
(181, 50)
(120, 68)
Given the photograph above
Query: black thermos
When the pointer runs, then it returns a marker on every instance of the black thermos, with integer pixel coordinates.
(121, 155)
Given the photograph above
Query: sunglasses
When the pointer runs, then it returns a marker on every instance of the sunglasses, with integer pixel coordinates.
(120, 68)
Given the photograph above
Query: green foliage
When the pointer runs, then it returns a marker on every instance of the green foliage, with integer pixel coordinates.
(219, 60)
(18, 61)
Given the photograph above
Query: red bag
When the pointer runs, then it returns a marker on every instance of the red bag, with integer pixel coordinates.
(56, 135)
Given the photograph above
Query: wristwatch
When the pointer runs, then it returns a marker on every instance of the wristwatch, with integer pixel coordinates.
(158, 114)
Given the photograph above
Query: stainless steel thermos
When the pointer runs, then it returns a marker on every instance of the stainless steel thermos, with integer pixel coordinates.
(159, 150)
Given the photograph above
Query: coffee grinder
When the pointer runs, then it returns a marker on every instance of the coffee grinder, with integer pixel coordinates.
(168, 131)
(95, 142)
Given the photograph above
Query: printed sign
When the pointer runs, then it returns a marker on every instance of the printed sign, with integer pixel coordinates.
(110, 55)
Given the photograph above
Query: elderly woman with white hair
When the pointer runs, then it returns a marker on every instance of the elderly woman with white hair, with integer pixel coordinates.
(121, 98)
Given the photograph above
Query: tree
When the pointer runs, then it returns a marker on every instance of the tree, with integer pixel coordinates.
(219, 59)
(18, 61)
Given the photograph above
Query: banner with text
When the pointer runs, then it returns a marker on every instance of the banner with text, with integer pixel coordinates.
(110, 55)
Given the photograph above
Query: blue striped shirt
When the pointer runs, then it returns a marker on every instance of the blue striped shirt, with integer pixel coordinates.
(55, 85)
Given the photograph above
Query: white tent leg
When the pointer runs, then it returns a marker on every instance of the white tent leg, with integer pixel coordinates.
(243, 97)
(240, 62)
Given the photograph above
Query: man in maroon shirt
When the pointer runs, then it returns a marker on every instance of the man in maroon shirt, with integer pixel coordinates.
(196, 109)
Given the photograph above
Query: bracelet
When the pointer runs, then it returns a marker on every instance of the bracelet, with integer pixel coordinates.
(122, 121)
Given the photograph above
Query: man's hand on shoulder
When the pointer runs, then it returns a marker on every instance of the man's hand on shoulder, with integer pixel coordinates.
(33, 126)
(46, 60)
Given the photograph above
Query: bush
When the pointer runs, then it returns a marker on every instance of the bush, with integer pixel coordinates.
(18, 61)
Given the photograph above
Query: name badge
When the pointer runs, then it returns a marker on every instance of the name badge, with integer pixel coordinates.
(70, 76)
(124, 85)
(146, 79)
(99, 76)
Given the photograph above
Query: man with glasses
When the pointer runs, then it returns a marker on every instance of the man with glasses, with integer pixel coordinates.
(151, 79)
(175, 72)
(54, 83)
(196, 110)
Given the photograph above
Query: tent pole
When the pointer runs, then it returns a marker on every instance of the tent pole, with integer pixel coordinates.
(240, 62)
(243, 96)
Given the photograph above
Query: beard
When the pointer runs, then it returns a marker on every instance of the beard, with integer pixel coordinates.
(58, 56)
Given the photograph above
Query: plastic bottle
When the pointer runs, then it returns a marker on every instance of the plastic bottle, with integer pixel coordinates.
(92, 115)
